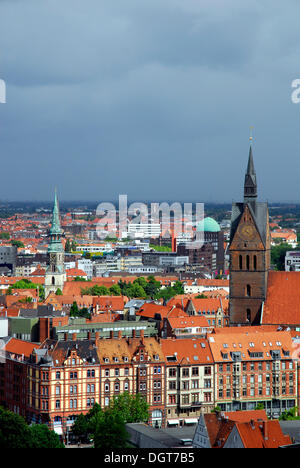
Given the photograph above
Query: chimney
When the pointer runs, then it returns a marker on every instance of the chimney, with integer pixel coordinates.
(97, 337)
(74, 336)
(133, 333)
(265, 430)
(252, 424)
(119, 335)
(88, 335)
(111, 335)
(66, 336)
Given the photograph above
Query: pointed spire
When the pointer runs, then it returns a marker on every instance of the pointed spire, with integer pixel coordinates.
(250, 187)
(250, 168)
(55, 223)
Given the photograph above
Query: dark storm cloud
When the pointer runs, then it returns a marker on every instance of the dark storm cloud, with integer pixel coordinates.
(149, 98)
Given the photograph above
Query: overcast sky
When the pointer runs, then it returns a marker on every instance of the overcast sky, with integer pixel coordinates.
(149, 98)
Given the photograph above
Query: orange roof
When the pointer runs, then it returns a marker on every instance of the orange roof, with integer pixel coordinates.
(205, 304)
(76, 272)
(109, 302)
(262, 435)
(246, 416)
(222, 283)
(282, 305)
(150, 310)
(20, 347)
(181, 300)
(188, 322)
(189, 351)
(223, 344)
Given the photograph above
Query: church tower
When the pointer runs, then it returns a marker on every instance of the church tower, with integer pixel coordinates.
(55, 272)
(249, 253)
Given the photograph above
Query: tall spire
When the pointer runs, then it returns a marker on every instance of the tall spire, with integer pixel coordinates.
(250, 186)
(55, 232)
(55, 223)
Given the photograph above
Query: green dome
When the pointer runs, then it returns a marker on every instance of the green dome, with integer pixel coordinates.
(208, 225)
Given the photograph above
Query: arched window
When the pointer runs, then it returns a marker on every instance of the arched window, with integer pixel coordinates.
(248, 262)
(248, 315)
(53, 280)
(248, 290)
(255, 262)
(241, 262)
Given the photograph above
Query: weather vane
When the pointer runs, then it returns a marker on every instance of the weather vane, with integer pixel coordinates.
(251, 133)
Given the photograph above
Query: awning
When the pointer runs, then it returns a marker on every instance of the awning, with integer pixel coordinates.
(58, 430)
(173, 421)
(190, 421)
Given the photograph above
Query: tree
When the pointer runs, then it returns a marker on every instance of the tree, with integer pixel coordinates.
(17, 243)
(110, 431)
(4, 235)
(132, 408)
(79, 278)
(259, 406)
(68, 247)
(95, 291)
(289, 415)
(115, 290)
(74, 310)
(14, 432)
(216, 409)
(80, 428)
(278, 253)
(42, 437)
(58, 292)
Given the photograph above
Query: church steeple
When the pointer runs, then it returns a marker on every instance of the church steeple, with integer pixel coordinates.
(55, 272)
(55, 232)
(250, 186)
(55, 223)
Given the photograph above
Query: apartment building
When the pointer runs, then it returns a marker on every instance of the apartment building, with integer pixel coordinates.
(189, 380)
(254, 367)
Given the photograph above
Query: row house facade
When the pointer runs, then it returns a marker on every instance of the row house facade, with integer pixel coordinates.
(189, 380)
(234, 369)
(254, 368)
(57, 381)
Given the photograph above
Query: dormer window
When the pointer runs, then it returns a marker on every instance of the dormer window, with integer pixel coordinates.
(106, 360)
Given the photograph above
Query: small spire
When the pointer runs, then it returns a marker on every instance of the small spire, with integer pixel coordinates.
(250, 167)
(250, 186)
(55, 223)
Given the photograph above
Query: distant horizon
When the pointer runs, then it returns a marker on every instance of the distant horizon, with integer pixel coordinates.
(71, 201)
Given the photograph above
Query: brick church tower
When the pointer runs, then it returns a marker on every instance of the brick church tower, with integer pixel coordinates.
(249, 254)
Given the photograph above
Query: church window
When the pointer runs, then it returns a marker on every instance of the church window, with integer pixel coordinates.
(248, 290)
(255, 262)
(248, 262)
(248, 315)
(241, 262)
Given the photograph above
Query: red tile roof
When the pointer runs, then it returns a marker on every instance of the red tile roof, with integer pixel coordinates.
(267, 434)
(20, 347)
(282, 305)
(189, 351)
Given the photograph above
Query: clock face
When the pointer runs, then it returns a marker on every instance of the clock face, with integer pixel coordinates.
(247, 231)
